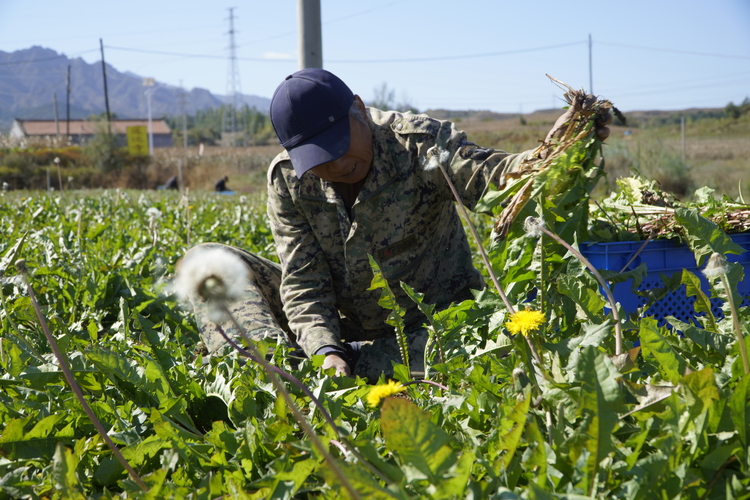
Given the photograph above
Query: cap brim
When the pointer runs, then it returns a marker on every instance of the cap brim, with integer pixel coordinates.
(328, 145)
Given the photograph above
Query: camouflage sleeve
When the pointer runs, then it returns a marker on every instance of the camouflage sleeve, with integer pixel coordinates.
(472, 168)
(306, 285)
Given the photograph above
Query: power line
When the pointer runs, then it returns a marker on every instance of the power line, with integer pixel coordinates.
(199, 56)
(671, 89)
(404, 60)
(675, 51)
(464, 56)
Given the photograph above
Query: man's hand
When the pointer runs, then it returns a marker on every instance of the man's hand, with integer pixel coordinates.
(335, 361)
(603, 119)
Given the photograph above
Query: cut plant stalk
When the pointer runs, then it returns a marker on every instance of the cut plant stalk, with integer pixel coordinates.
(475, 235)
(486, 260)
(21, 266)
(187, 215)
(594, 271)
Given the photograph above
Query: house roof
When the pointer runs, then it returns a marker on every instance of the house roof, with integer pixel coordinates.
(86, 127)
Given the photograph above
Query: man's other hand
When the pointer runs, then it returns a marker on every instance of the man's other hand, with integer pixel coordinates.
(337, 362)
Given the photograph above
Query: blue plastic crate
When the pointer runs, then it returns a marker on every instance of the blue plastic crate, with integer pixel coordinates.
(663, 257)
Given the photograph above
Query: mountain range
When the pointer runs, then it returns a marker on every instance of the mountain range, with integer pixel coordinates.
(30, 79)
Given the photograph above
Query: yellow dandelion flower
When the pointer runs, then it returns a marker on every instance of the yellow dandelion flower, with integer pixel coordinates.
(524, 322)
(379, 392)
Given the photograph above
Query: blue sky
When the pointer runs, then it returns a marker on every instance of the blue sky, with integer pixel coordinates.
(472, 54)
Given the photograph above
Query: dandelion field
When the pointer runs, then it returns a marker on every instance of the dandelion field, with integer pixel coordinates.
(579, 405)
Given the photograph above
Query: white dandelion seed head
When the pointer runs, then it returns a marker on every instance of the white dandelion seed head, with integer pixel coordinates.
(211, 273)
(444, 156)
(434, 158)
(517, 373)
(243, 199)
(430, 163)
(154, 213)
(533, 227)
(716, 267)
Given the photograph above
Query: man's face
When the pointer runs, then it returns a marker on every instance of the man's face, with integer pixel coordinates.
(356, 162)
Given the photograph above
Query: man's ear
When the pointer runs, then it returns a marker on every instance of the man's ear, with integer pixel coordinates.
(360, 103)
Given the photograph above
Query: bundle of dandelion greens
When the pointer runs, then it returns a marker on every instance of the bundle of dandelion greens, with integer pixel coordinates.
(568, 161)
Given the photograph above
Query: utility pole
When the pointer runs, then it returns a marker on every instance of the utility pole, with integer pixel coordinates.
(67, 107)
(106, 94)
(232, 121)
(591, 74)
(682, 135)
(183, 109)
(150, 84)
(310, 34)
(57, 118)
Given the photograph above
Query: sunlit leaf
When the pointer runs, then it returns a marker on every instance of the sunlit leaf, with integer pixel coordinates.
(598, 404)
(64, 473)
(702, 302)
(420, 444)
(703, 236)
(655, 345)
(739, 405)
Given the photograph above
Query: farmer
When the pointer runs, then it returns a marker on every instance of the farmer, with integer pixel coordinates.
(355, 182)
(171, 183)
(221, 185)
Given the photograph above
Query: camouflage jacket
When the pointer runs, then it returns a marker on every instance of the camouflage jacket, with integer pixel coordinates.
(404, 216)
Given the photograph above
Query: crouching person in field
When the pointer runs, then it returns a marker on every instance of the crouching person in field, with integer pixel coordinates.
(355, 182)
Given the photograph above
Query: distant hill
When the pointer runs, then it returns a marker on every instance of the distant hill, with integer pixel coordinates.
(30, 77)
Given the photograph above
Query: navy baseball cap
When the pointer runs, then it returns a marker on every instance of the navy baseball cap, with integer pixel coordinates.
(309, 112)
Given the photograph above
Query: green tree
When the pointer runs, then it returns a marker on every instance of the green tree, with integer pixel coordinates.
(734, 112)
(385, 99)
(102, 150)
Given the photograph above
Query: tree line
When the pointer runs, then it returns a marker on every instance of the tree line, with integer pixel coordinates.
(205, 126)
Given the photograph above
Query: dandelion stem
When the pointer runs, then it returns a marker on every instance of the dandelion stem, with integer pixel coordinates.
(599, 278)
(736, 324)
(256, 358)
(80, 216)
(326, 416)
(21, 266)
(14, 327)
(486, 261)
(434, 335)
(187, 215)
(273, 373)
(491, 272)
(474, 233)
(541, 274)
(430, 382)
